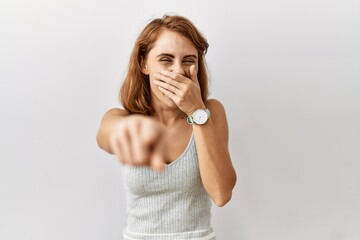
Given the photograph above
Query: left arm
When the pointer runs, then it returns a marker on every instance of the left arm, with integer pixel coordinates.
(216, 169)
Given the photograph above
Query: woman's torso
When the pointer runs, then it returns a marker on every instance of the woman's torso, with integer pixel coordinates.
(172, 204)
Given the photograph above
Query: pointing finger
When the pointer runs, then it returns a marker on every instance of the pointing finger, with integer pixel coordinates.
(157, 162)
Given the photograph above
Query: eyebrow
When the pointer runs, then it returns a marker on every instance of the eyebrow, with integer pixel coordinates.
(172, 56)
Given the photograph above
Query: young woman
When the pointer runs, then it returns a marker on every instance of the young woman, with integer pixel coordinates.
(171, 139)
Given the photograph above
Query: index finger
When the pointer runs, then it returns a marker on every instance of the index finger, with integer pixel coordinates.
(157, 162)
(174, 75)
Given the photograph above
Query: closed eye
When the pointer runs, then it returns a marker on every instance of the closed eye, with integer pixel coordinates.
(165, 60)
(189, 61)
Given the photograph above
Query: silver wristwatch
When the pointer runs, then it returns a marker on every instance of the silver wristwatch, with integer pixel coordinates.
(199, 117)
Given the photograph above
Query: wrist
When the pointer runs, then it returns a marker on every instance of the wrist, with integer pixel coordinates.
(200, 106)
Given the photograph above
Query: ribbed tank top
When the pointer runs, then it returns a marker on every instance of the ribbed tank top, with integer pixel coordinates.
(167, 205)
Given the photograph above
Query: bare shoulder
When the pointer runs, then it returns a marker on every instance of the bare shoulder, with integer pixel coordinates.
(218, 118)
(217, 113)
(115, 112)
(216, 108)
(212, 102)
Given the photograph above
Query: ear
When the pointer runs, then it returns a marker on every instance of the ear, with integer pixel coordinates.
(144, 68)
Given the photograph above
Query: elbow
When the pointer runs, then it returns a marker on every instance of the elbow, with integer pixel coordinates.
(224, 196)
(222, 199)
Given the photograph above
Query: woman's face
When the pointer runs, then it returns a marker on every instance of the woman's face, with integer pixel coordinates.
(172, 52)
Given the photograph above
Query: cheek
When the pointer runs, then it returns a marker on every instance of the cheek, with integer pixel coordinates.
(154, 88)
(155, 67)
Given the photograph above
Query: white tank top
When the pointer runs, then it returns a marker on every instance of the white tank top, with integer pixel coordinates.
(172, 204)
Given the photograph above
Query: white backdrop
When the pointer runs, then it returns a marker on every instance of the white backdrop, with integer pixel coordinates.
(287, 72)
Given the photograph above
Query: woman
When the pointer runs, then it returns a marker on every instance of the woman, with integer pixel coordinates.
(172, 140)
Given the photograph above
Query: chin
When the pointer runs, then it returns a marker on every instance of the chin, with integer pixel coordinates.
(163, 99)
(168, 101)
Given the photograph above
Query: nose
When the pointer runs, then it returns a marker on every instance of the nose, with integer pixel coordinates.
(178, 68)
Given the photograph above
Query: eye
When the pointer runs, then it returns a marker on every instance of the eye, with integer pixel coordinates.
(165, 60)
(189, 61)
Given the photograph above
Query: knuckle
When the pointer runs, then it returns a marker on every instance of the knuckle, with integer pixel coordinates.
(180, 100)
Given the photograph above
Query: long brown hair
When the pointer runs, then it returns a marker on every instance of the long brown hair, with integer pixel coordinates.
(135, 94)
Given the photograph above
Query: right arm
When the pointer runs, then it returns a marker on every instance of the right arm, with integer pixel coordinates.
(133, 138)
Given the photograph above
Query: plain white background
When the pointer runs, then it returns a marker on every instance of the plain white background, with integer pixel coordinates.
(287, 72)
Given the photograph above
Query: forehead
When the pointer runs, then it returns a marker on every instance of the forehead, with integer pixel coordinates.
(174, 43)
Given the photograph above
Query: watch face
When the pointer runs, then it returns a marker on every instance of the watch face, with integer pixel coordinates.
(200, 116)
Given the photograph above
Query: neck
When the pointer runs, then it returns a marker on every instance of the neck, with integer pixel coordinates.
(167, 115)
